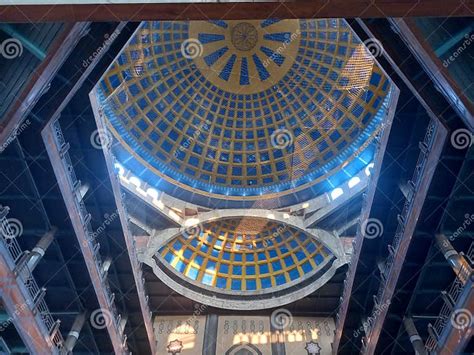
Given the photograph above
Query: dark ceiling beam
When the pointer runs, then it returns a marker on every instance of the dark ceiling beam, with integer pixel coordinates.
(112, 273)
(71, 286)
(16, 302)
(236, 10)
(136, 267)
(359, 239)
(459, 299)
(47, 223)
(25, 41)
(16, 197)
(38, 232)
(425, 291)
(449, 232)
(42, 76)
(424, 265)
(440, 264)
(65, 96)
(410, 33)
(454, 340)
(449, 44)
(432, 104)
(103, 296)
(57, 99)
(397, 57)
(401, 249)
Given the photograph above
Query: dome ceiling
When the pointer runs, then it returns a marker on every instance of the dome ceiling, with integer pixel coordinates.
(242, 57)
(243, 257)
(244, 110)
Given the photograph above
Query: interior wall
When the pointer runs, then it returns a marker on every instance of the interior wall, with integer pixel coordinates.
(278, 334)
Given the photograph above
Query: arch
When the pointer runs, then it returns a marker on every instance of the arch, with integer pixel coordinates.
(237, 348)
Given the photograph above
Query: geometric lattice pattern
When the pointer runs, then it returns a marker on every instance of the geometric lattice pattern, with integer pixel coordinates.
(248, 254)
(265, 107)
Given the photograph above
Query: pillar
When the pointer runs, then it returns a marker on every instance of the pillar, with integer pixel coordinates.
(73, 335)
(415, 338)
(38, 251)
(458, 263)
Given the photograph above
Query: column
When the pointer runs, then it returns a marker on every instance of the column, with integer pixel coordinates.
(415, 338)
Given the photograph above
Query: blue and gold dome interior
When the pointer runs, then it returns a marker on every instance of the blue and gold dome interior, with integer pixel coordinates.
(245, 256)
(231, 112)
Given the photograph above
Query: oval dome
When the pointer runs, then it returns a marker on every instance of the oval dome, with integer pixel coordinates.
(244, 110)
(241, 258)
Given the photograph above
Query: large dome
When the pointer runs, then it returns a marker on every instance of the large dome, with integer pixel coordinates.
(244, 110)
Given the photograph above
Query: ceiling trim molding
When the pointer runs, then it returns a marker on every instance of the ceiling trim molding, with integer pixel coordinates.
(232, 10)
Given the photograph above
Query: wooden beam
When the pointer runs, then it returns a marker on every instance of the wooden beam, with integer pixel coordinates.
(435, 69)
(405, 240)
(17, 302)
(235, 10)
(65, 96)
(365, 214)
(454, 340)
(42, 76)
(62, 176)
(430, 98)
(129, 241)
